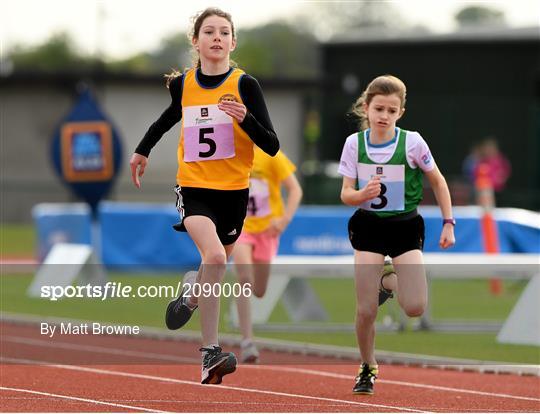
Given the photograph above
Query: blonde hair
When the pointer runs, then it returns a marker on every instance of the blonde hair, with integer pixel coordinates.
(381, 85)
(197, 21)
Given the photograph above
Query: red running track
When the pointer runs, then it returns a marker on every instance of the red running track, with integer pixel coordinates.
(131, 374)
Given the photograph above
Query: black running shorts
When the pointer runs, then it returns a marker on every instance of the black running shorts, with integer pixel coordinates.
(226, 208)
(389, 236)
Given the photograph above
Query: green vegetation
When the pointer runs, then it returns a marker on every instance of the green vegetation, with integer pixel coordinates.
(256, 51)
(480, 346)
(17, 240)
(456, 300)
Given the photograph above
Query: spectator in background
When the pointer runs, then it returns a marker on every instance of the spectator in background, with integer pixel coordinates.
(486, 156)
(468, 169)
(499, 168)
(470, 163)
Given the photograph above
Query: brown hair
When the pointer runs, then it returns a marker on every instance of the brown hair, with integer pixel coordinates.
(381, 85)
(197, 21)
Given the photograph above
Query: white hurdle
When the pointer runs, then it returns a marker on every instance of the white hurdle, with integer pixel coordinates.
(288, 282)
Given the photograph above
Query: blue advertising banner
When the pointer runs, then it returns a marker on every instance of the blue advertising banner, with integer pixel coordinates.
(86, 150)
(139, 236)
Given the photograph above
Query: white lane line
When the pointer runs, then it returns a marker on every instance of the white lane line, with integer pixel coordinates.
(165, 357)
(87, 400)
(403, 383)
(451, 389)
(254, 403)
(221, 387)
(97, 349)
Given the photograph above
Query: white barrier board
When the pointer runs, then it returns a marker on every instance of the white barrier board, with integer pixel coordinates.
(65, 264)
(522, 327)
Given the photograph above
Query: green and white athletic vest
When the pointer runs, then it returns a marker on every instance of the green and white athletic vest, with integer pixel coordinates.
(401, 185)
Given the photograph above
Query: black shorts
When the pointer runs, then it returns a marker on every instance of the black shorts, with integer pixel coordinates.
(226, 208)
(389, 236)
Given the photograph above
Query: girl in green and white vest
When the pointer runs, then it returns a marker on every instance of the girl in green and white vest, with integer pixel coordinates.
(387, 165)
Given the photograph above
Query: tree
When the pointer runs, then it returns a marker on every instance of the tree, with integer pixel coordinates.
(479, 16)
(277, 49)
(327, 19)
(56, 53)
(172, 54)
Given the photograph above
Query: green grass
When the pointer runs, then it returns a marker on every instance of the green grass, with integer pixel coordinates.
(481, 346)
(465, 300)
(449, 299)
(17, 240)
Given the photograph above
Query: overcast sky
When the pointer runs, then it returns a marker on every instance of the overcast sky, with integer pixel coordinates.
(131, 26)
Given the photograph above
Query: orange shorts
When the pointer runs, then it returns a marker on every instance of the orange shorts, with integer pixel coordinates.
(265, 247)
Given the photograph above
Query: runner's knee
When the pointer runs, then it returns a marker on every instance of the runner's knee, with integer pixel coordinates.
(366, 314)
(414, 309)
(215, 257)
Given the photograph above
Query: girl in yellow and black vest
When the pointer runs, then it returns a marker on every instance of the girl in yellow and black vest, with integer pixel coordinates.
(223, 116)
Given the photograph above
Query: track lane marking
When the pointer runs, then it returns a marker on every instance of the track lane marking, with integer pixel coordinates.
(404, 383)
(91, 348)
(186, 382)
(97, 349)
(87, 400)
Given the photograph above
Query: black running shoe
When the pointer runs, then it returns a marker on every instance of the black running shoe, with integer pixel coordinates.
(365, 380)
(216, 365)
(178, 312)
(385, 294)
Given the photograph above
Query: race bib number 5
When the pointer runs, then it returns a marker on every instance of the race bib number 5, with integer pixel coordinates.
(208, 134)
(392, 195)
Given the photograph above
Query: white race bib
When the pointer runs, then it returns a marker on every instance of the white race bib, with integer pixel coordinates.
(392, 196)
(259, 198)
(208, 134)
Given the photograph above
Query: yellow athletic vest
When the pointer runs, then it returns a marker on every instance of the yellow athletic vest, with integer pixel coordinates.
(265, 200)
(213, 151)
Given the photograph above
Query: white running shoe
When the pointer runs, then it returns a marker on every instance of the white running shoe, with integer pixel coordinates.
(249, 353)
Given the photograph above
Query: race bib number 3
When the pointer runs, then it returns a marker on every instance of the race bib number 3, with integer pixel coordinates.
(208, 134)
(392, 196)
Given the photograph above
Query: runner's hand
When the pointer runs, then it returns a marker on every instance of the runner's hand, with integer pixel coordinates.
(447, 236)
(372, 188)
(277, 226)
(235, 110)
(137, 164)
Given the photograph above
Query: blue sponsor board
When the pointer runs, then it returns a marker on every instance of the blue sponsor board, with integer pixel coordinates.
(139, 236)
(61, 223)
(86, 150)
